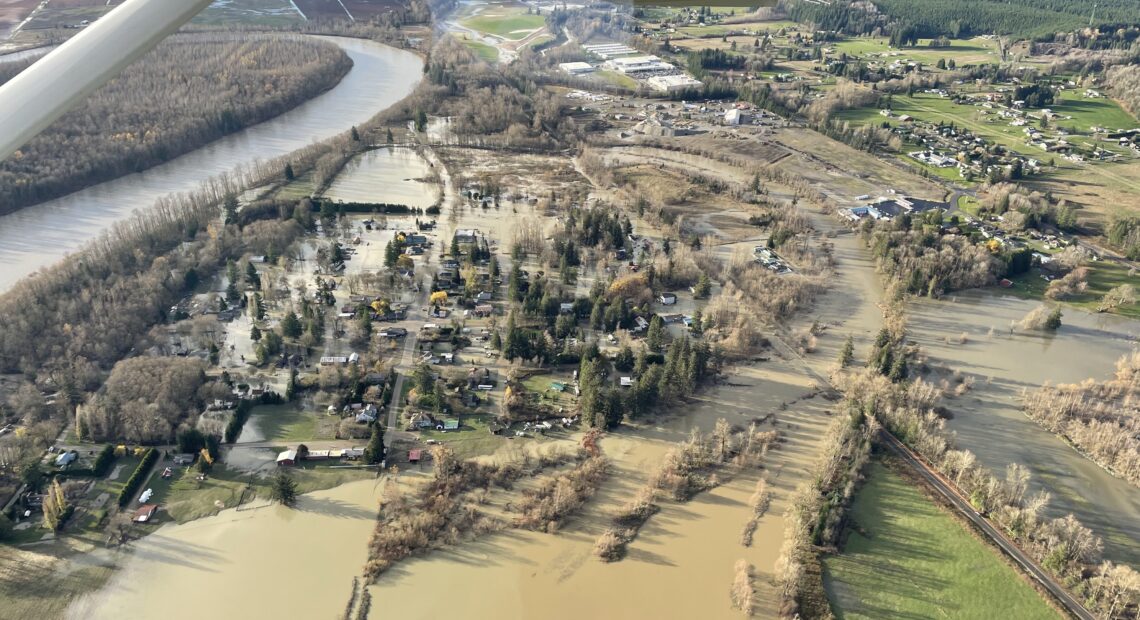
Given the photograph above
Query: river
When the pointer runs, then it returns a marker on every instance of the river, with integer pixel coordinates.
(38, 236)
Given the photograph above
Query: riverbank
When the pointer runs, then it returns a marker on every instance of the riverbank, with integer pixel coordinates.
(38, 236)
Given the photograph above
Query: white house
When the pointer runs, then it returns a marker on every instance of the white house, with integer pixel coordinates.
(667, 299)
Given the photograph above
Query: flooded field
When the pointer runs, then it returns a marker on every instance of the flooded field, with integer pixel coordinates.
(390, 175)
(988, 420)
(40, 235)
(255, 563)
(681, 563)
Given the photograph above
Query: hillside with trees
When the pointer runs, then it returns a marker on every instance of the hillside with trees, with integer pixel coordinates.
(963, 18)
(189, 91)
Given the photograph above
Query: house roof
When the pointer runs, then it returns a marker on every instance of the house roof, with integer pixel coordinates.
(415, 455)
(288, 455)
(144, 513)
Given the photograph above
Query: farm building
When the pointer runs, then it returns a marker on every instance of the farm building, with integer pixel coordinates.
(287, 458)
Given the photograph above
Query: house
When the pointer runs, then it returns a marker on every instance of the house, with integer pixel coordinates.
(627, 381)
(66, 458)
(287, 458)
(484, 310)
(318, 455)
(640, 324)
(145, 513)
(483, 296)
(565, 308)
(667, 299)
(333, 360)
(465, 236)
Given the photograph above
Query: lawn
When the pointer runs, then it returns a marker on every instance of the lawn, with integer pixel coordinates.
(510, 24)
(473, 438)
(289, 423)
(482, 50)
(906, 558)
(617, 79)
(300, 187)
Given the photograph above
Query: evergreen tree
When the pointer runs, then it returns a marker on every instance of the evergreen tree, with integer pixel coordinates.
(374, 452)
(230, 206)
(283, 488)
(252, 278)
(655, 335)
(291, 325)
(289, 176)
(254, 333)
(847, 353)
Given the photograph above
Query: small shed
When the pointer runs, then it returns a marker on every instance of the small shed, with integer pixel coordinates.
(66, 458)
(451, 424)
(145, 513)
(668, 299)
(414, 456)
(287, 458)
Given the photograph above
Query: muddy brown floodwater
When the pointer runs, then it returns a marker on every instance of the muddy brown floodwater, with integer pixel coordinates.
(681, 563)
(988, 420)
(267, 562)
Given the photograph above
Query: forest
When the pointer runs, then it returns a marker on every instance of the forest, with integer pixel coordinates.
(964, 18)
(189, 91)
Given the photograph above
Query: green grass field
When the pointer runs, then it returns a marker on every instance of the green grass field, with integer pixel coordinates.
(1103, 276)
(907, 558)
(288, 423)
(964, 52)
(484, 51)
(617, 79)
(510, 24)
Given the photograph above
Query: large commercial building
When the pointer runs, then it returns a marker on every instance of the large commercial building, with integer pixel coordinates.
(672, 83)
(634, 65)
(606, 51)
(576, 68)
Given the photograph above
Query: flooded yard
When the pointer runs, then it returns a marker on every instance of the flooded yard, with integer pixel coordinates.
(258, 562)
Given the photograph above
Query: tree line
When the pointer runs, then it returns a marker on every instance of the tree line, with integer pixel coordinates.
(187, 92)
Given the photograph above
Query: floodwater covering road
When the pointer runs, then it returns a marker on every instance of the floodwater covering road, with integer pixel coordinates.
(40, 235)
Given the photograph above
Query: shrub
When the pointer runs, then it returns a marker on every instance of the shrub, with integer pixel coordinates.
(104, 461)
(137, 477)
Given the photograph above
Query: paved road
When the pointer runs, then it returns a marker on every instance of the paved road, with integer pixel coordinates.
(943, 486)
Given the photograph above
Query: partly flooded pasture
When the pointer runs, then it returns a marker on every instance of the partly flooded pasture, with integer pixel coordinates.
(971, 333)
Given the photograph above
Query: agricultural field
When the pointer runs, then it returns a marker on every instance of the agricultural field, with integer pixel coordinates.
(260, 12)
(511, 23)
(979, 50)
(905, 558)
(746, 27)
